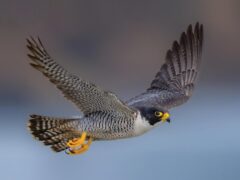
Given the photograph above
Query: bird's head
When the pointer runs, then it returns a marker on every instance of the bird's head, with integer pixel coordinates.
(154, 115)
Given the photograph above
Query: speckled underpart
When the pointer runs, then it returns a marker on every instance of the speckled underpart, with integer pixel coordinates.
(105, 116)
(107, 126)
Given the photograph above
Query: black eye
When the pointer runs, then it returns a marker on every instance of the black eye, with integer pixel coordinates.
(158, 114)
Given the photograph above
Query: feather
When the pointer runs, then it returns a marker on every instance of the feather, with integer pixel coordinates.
(177, 76)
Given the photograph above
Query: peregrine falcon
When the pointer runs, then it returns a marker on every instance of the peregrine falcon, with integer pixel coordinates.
(104, 115)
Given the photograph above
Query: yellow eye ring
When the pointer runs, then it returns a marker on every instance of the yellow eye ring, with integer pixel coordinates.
(158, 114)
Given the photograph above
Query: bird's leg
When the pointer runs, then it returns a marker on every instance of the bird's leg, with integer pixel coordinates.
(82, 149)
(78, 145)
(77, 141)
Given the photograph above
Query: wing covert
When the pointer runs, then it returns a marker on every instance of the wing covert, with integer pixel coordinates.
(87, 96)
(174, 83)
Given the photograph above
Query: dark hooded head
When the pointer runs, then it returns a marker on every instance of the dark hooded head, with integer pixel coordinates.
(154, 115)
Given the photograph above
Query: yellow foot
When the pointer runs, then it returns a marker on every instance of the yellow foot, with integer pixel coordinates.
(78, 145)
(77, 141)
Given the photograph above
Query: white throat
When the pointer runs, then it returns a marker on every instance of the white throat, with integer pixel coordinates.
(141, 125)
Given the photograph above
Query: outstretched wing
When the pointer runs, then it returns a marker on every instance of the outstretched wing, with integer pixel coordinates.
(174, 83)
(87, 96)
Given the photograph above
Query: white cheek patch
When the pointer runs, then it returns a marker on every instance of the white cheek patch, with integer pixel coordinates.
(141, 125)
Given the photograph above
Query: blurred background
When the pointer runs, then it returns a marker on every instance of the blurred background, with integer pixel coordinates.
(120, 45)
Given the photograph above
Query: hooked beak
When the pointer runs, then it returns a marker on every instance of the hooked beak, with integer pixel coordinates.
(165, 117)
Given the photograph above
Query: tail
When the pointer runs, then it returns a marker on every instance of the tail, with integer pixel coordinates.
(55, 132)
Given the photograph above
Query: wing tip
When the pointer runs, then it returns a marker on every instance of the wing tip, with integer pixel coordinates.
(191, 32)
(183, 49)
(197, 30)
(35, 45)
(37, 53)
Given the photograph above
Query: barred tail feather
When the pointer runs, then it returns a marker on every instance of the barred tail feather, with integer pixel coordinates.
(52, 131)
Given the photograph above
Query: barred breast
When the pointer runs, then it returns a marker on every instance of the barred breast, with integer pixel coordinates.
(107, 126)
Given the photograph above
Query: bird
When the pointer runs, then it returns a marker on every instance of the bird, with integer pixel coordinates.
(103, 115)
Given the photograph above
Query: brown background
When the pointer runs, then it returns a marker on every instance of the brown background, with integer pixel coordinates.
(120, 45)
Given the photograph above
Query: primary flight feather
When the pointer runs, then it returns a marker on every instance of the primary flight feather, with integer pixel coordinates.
(105, 116)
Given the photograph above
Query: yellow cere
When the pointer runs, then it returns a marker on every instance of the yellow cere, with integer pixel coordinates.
(165, 117)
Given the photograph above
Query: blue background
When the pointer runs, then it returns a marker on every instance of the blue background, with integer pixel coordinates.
(120, 45)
